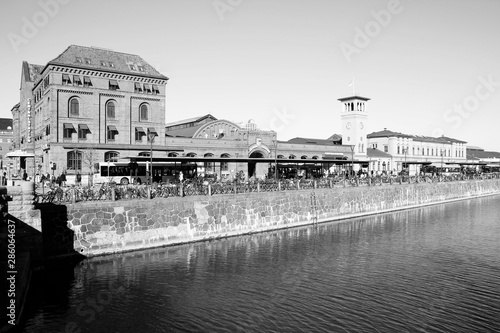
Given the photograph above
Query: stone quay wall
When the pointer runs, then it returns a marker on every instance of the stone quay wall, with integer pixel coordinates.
(98, 228)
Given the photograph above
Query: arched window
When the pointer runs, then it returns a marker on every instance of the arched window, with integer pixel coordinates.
(172, 155)
(292, 157)
(191, 154)
(144, 153)
(110, 109)
(143, 112)
(111, 156)
(74, 159)
(209, 166)
(74, 107)
(303, 157)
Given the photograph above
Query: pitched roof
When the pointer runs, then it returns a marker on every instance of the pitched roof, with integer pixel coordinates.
(189, 120)
(343, 99)
(376, 153)
(31, 71)
(335, 137)
(482, 154)
(120, 61)
(309, 141)
(5, 123)
(387, 133)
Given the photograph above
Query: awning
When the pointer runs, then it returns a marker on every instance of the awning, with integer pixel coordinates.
(67, 126)
(83, 126)
(152, 130)
(140, 129)
(19, 153)
(112, 128)
(138, 85)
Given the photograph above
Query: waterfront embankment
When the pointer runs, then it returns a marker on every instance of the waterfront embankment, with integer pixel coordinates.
(98, 228)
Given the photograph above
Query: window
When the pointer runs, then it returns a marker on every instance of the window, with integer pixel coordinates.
(139, 133)
(46, 82)
(87, 61)
(224, 165)
(74, 160)
(143, 112)
(111, 132)
(111, 64)
(68, 130)
(74, 107)
(87, 82)
(209, 166)
(65, 79)
(103, 63)
(113, 85)
(140, 68)
(83, 129)
(138, 88)
(78, 59)
(131, 66)
(386, 149)
(111, 156)
(155, 89)
(76, 80)
(110, 109)
(147, 88)
(151, 130)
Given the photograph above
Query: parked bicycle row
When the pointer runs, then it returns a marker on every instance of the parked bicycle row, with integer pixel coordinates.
(112, 192)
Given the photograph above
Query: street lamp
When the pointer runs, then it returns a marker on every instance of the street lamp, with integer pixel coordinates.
(405, 151)
(275, 157)
(352, 159)
(151, 136)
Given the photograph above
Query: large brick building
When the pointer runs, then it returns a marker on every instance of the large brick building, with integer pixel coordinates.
(88, 104)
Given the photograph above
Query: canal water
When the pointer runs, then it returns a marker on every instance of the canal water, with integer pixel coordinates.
(431, 269)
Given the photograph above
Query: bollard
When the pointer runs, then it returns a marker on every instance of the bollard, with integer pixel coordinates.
(330, 182)
(148, 188)
(209, 190)
(400, 180)
(181, 190)
(390, 180)
(235, 188)
(298, 184)
(258, 187)
(279, 185)
(315, 185)
(73, 195)
(357, 182)
(113, 194)
(344, 182)
(369, 181)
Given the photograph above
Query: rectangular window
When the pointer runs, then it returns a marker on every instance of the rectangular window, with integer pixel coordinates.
(76, 80)
(68, 130)
(155, 89)
(83, 129)
(112, 131)
(147, 88)
(386, 149)
(87, 82)
(46, 82)
(113, 85)
(139, 133)
(65, 79)
(224, 166)
(137, 87)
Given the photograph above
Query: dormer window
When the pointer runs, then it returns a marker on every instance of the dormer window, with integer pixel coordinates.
(111, 64)
(78, 59)
(103, 63)
(140, 68)
(87, 61)
(132, 67)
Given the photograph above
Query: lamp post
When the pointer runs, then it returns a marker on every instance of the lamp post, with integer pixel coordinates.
(151, 139)
(275, 156)
(405, 151)
(352, 159)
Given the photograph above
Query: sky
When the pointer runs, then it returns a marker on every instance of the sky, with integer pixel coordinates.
(429, 67)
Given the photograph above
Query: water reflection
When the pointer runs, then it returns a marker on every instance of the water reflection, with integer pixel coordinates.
(431, 269)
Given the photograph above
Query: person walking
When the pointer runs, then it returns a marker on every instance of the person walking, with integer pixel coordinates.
(78, 179)
(63, 179)
(4, 179)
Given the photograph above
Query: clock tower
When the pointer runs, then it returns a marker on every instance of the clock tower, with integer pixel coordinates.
(354, 117)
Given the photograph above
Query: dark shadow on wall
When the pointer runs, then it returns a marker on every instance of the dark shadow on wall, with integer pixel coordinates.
(58, 238)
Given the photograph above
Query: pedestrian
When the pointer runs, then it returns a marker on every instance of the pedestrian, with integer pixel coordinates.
(25, 175)
(59, 180)
(78, 179)
(63, 179)
(4, 179)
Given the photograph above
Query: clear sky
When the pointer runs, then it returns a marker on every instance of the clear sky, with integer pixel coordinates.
(430, 67)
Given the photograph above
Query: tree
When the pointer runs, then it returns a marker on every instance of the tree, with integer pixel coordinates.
(90, 157)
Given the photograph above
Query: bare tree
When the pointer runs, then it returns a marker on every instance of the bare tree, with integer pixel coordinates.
(90, 157)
